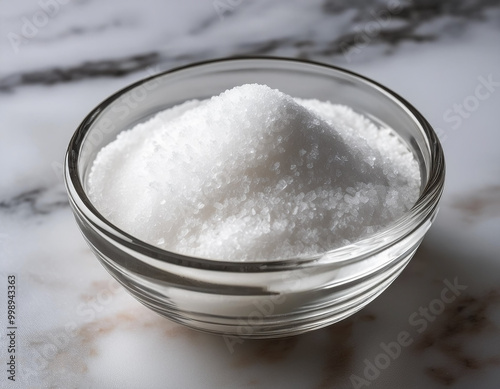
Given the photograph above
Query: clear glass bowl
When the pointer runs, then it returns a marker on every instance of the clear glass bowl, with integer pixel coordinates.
(279, 297)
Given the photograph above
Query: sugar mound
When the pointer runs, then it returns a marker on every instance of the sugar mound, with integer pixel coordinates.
(254, 174)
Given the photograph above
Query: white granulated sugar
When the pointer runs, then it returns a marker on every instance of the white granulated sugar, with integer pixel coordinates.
(254, 174)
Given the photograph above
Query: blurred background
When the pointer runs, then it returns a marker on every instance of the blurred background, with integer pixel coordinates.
(78, 329)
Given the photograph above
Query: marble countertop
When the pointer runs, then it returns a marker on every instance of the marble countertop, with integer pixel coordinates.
(437, 326)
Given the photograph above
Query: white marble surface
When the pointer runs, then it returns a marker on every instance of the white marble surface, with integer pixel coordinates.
(78, 329)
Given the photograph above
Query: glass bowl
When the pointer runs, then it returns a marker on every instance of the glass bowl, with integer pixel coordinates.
(273, 298)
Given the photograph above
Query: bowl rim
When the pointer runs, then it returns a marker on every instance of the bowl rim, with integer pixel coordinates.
(424, 207)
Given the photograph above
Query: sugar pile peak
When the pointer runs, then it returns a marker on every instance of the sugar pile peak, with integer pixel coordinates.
(254, 174)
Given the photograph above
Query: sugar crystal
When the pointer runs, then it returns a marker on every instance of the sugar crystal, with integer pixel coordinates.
(254, 174)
